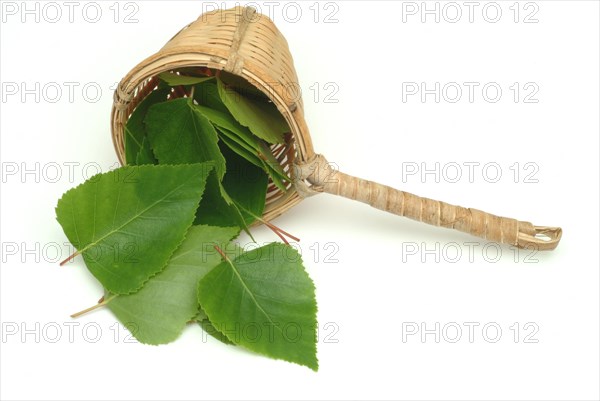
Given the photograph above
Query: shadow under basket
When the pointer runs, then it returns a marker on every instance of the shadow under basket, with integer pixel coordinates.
(249, 45)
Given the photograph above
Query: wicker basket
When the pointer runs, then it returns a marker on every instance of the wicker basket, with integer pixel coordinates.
(247, 44)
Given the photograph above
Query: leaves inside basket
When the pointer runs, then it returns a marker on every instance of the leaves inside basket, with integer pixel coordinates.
(262, 118)
(135, 129)
(179, 134)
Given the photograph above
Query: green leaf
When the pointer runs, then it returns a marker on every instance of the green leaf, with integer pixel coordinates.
(202, 319)
(233, 144)
(159, 311)
(226, 124)
(274, 168)
(145, 155)
(242, 86)
(271, 161)
(265, 301)
(217, 208)
(135, 131)
(239, 139)
(128, 222)
(180, 134)
(246, 185)
(263, 119)
(212, 331)
(226, 121)
(258, 154)
(243, 185)
(207, 94)
(172, 79)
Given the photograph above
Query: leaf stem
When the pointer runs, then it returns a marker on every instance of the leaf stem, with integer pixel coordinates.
(279, 230)
(205, 71)
(76, 253)
(273, 227)
(92, 308)
(223, 255)
(285, 241)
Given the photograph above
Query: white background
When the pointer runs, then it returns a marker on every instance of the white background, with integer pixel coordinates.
(384, 280)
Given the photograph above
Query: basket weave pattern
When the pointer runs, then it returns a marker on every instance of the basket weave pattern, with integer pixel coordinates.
(248, 44)
(238, 41)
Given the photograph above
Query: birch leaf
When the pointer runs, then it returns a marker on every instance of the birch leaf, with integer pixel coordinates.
(262, 118)
(135, 130)
(172, 79)
(265, 301)
(202, 319)
(145, 154)
(180, 134)
(161, 309)
(128, 222)
(244, 185)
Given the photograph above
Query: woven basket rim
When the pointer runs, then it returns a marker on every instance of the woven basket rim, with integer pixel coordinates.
(180, 53)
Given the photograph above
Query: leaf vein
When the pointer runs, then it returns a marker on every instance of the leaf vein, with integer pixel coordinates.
(252, 297)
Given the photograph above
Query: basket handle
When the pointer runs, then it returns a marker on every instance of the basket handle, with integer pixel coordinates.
(317, 175)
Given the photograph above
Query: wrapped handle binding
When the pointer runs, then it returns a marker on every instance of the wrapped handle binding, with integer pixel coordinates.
(317, 175)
